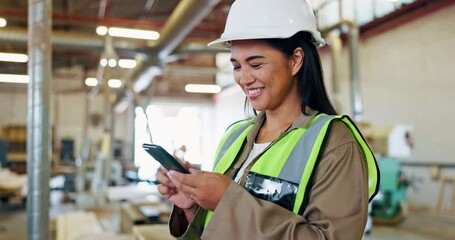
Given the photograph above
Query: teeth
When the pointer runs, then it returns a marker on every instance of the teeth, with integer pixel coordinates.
(254, 91)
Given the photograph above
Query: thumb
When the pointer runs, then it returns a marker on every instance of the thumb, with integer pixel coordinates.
(188, 165)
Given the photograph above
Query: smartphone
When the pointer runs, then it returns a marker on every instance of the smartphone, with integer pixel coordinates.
(164, 158)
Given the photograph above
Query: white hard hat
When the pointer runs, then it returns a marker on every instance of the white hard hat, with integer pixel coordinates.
(260, 19)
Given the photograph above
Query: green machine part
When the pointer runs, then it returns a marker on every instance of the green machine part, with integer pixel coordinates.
(389, 208)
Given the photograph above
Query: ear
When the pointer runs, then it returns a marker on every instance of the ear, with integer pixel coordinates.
(297, 60)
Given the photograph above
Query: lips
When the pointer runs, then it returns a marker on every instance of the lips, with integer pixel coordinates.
(254, 92)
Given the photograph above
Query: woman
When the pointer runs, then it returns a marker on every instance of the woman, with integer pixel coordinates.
(296, 171)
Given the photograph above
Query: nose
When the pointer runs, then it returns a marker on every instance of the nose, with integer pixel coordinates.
(245, 77)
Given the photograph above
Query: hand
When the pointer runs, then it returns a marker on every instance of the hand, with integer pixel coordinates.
(173, 194)
(205, 188)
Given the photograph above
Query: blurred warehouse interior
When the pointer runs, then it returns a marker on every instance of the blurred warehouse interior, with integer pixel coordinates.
(388, 64)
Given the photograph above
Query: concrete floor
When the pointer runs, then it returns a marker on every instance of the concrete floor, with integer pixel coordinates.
(420, 225)
(12, 222)
(417, 227)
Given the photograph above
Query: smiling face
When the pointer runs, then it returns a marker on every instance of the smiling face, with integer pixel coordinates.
(266, 75)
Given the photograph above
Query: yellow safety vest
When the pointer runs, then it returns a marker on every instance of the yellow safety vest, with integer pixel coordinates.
(293, 158)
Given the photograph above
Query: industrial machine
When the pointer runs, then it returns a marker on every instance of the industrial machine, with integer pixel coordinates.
(390, 205)
(390, 145)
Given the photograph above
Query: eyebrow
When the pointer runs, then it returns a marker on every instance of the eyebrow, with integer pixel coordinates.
(249, 58)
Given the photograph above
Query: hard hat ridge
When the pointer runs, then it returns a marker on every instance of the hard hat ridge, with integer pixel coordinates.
(261, 19)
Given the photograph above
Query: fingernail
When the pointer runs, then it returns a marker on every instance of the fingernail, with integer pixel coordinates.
(170, 173)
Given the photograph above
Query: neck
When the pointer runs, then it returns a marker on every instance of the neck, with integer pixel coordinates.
(276, 122)
(283, 116)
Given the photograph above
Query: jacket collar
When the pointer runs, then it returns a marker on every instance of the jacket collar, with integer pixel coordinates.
(300, 122)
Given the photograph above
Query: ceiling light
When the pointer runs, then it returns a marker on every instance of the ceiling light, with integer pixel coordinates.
(14, 78)
(103, 62)
(128, 33)
(13, 57)
(114, 83)
(2, 22)
(101, 30)
(133, 33)
(112, 62)
(202, 88)
(91, 82)
(127, 63)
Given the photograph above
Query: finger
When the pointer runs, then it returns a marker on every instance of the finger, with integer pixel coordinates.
(174, 178)
(182, 186)
(191, 180)
(162, 169)
(163, 190)
(161, 177)
(164, 179)
(188, 165)
(192, 197)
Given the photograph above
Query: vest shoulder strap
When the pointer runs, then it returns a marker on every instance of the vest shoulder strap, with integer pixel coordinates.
(233, 138)
(323, 130)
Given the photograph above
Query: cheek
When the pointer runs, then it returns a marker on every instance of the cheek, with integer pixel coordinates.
(236, 77)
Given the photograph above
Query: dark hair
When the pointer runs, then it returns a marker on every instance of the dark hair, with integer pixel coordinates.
(310, 79)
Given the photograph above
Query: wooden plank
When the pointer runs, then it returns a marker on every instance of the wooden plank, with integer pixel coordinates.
(442, 185)
(17, 157)
(77, 225)
(444, 181)
(452, 204)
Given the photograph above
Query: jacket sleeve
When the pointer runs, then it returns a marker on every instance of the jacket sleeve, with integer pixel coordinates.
(337, 208)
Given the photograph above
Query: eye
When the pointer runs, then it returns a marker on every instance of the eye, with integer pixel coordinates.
(255, 65)
(236, 68)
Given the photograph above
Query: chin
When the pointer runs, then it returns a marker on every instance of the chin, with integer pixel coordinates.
(258, 108)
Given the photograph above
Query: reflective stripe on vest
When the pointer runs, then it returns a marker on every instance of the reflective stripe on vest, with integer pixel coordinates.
(297, 153)
(234, 138)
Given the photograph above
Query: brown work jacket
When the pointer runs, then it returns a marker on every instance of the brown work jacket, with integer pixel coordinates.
(337, 208)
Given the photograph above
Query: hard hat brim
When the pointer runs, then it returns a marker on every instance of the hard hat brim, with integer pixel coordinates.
(224, 41)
